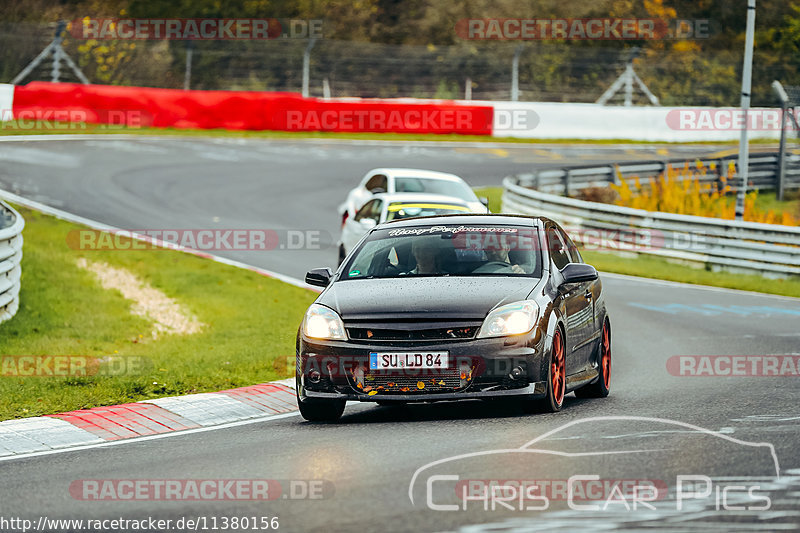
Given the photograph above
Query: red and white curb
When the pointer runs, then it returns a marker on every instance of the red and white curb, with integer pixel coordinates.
(146, 418)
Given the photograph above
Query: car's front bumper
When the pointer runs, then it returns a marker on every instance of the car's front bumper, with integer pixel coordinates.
(491, 362)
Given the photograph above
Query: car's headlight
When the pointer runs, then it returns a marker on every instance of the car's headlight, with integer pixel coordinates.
(510, 319)
(323, 323)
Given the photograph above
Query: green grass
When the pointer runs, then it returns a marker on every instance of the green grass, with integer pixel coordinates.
(9, 128)
(658, 268)
(493, 194)
(767, 201)
(655, 267)
(250, 334)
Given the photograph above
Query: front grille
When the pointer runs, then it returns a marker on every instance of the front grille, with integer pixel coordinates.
(410, 381)
(387, 334)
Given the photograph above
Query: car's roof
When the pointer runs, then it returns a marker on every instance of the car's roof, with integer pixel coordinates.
(415, 173)
(416, 197)
(469, 219)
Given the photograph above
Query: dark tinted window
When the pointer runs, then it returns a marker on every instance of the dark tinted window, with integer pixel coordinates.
(447, 251)
(376, 183)
(371, 209)
(559, 251)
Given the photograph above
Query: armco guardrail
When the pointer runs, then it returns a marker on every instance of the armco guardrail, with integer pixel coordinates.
(763, 172)
(11, 224)
(768, 249)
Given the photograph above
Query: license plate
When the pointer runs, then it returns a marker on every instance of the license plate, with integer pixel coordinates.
(393, 360)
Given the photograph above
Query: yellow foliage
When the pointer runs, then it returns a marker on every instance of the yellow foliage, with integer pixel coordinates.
(680, 191)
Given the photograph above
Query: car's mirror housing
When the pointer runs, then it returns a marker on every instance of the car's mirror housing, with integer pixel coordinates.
(368, 222)
(578, 272)
(319, 277)
(484, 201)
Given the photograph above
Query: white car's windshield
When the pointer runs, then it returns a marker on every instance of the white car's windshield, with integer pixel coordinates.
(433, 186)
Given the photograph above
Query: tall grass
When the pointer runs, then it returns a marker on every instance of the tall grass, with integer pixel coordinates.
(678, 190)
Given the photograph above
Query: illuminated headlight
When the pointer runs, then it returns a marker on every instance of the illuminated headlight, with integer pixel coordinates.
(511, 319)
(323, 323)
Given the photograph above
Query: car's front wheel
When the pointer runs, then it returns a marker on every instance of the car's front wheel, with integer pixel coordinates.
(315, 410)
(556, 379)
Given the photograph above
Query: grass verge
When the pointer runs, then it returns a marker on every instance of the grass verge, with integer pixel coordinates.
(249, 338)
(658, 268)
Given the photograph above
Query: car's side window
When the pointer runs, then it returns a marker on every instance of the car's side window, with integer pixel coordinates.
(558, 248)
(574, 254)
(376, 183)
(366, 211)
(376, 211)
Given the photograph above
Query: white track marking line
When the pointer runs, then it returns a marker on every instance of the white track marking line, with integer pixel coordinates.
(64, 215)
(238, 423)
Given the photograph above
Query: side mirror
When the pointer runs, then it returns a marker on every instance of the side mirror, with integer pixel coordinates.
(484, 201)
(578, 272)
(368, 223)
(319, 277)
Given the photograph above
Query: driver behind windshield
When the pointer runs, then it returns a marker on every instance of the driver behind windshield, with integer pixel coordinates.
(426, 253)
(499, 253)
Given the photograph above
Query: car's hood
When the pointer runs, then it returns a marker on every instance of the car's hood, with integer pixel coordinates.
(435, 297)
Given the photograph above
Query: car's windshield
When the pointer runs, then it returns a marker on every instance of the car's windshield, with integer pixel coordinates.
(447, 250)
(399, 210)
(434, 186)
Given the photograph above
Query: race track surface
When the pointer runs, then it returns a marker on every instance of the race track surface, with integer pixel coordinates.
(724, 431)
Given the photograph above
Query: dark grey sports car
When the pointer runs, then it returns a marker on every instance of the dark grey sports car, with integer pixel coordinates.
(455, 307)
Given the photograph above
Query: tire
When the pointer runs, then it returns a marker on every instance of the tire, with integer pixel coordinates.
(321, 410)
(556, 380)
(600, 388)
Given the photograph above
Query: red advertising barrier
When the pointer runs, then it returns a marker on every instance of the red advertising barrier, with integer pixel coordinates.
(243, 110)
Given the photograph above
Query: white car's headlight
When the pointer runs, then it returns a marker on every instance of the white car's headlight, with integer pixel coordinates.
(323, 323)
(510, 319)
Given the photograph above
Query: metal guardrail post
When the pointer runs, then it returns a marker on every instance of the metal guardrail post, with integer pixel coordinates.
(566, 182)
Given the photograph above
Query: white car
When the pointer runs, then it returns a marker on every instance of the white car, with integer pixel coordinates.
(411, 180)
(384, 207)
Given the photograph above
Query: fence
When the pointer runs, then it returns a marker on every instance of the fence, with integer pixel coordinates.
(11, 224)
(768, 249)
(763, 173)
(549, 71)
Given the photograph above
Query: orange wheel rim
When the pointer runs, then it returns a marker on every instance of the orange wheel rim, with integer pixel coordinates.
(557, 369)
(606, 356)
